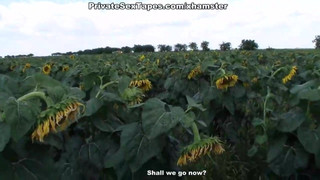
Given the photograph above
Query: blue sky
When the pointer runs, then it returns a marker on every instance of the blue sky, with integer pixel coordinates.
(44, 27)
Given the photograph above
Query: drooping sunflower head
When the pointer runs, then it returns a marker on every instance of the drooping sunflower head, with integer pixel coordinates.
(287, 78)
(132, 95)
(12, 67)
(57, 118)
(197, 150)
(226, 81)
(65, 68)
(194, 72)
(46, 69)
(143, 84)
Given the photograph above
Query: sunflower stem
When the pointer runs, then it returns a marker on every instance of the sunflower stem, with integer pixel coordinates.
(265, 105)
(196, 134)
(37, 94)
(102, 87)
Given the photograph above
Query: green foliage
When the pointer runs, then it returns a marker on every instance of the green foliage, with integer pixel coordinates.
(205, 46)
(164, 48)
(248, 45)
(193, 46)
(225, 46)
(317, 42)
(270, 130)
(180, 47)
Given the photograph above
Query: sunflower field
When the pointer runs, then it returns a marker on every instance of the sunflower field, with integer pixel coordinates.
(233, 115)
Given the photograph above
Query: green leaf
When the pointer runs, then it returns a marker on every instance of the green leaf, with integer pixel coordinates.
(260, 139)
(21, 116)
(5, 135)
(283, 165)
(252, 151)
(102, 125)
(301, 157)
(123, 84)
(56, 93)
(238, 91)
(257, 122)
(90, 153)
(92, 106)
(76, 92)
(138, 148)
(228, 103)
(275, 147)
(310, 94)
(291, 120)
(306, 85)
(157, 119)
(192, 104)
(188, 119)
(45, 81)
(310, 139)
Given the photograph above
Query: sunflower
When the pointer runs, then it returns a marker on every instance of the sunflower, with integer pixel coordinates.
(46, 69)
(65, 68)
(12, 67)
(245, 84)
(143, 84)
(194, 72)
(200, 149)
(254, 80)
(290, 75)
(132, 95)
(142, 58)
(56, 118)
(72, 56)
(26, 66)
(226, 81)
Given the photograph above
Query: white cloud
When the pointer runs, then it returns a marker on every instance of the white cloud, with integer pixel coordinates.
(46, 27)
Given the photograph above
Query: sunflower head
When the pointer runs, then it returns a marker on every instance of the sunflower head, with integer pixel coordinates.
(142, 57)
(293, 72)
(26, 66)
(12, 67)
(72, 57)
(226, 81)
(132, 95)
(200, 149)
(194, 72)
(57, 118)
(46, 69)
(143, 84)
(65, 68)
(254, 80)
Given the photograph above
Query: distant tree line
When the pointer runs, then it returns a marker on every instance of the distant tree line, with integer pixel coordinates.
(18, 56)
(246, 44)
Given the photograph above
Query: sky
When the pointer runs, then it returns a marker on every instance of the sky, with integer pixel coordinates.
(43, 27)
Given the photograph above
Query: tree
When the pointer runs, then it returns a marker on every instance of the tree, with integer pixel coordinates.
(164, 48)
(317, 41)
(180, 47)
(144, 48)
(248, 45)
(126, 49)
(225, 46)
(193, 46)
(204, 46)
